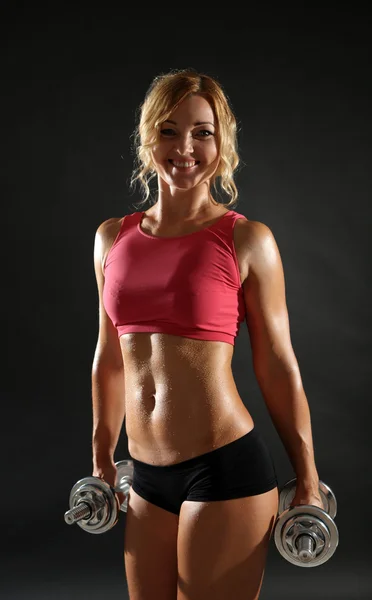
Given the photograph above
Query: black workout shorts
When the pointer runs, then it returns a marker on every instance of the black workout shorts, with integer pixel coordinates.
(241, 468)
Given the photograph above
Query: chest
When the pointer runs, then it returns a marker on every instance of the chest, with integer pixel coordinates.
(239, 239)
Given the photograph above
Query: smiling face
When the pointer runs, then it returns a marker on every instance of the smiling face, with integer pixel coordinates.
(186, 152)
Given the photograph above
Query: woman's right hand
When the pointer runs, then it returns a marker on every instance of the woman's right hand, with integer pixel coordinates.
(107, 471)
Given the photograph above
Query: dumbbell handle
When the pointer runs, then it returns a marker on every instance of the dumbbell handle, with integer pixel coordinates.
(306, 548)
(79, 512)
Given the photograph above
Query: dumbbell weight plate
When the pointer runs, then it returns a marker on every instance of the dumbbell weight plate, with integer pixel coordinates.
(96, 491)
(124, 479)
(288, 492)
(318, 522)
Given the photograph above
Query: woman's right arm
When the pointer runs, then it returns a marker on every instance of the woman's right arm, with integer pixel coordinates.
(108, 393)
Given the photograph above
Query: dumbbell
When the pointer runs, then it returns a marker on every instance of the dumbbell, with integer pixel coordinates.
(94, 505)
(306, 535)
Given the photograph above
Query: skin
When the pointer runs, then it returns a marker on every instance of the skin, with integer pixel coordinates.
(170, 370)
(173, 384)
(184, 198)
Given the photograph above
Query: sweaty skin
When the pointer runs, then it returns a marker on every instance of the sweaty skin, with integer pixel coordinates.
(180, 395)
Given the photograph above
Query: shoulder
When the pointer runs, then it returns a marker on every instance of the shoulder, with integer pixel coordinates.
(255, 236)
(107, 228)
(257, 247)
(105, 236)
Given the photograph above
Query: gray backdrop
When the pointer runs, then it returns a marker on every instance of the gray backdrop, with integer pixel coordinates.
(302, 95)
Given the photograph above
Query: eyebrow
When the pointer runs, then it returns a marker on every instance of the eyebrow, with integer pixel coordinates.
(196, 122)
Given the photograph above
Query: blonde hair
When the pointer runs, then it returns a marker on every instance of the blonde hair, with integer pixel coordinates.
(165, 93)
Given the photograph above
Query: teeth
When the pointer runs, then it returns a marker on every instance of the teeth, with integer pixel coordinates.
(183, 164)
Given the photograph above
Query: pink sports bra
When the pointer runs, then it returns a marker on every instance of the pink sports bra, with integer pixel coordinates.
(187, 285)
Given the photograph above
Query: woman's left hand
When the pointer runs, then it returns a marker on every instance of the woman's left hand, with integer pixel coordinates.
(305, 495)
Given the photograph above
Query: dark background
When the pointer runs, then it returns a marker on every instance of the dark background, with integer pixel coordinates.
(300, 88)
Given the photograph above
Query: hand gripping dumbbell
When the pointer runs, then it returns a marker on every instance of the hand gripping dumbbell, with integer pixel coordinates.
(94, 505)
(306, 535)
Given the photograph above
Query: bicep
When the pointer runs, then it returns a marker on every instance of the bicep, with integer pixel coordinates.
(108, 344)
(266, 308)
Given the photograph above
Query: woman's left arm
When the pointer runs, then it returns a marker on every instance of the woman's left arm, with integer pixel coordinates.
(274, 361)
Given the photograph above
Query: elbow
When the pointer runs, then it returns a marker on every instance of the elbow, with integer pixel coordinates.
(107, 361)
(277, 370)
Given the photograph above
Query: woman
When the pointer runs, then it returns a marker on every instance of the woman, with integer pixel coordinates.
(174, 283)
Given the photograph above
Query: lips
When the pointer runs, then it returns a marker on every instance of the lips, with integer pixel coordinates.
(184, 165)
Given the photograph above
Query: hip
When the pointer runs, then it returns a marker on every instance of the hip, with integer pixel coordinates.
(238, 469)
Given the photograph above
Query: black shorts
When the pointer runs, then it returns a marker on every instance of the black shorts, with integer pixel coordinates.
(241, 468)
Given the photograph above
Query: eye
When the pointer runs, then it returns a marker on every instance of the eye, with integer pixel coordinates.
(205, 131)
(202, 132)
(166, 132)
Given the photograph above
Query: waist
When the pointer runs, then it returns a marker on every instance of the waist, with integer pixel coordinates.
(167, 430)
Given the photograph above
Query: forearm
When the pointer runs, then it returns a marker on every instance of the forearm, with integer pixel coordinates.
(108, 399)
(287, 404)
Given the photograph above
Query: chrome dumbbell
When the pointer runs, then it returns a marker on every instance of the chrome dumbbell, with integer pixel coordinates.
(306, 535)
(94, 505)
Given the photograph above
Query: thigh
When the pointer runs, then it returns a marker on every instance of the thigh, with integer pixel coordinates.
(223, 545)
(150, 550)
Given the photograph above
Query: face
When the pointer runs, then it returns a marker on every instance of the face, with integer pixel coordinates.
(186, 153)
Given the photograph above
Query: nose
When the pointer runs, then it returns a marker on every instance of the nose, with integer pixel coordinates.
(184, 145)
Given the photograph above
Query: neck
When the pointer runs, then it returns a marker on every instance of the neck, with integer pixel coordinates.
(175, 205)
